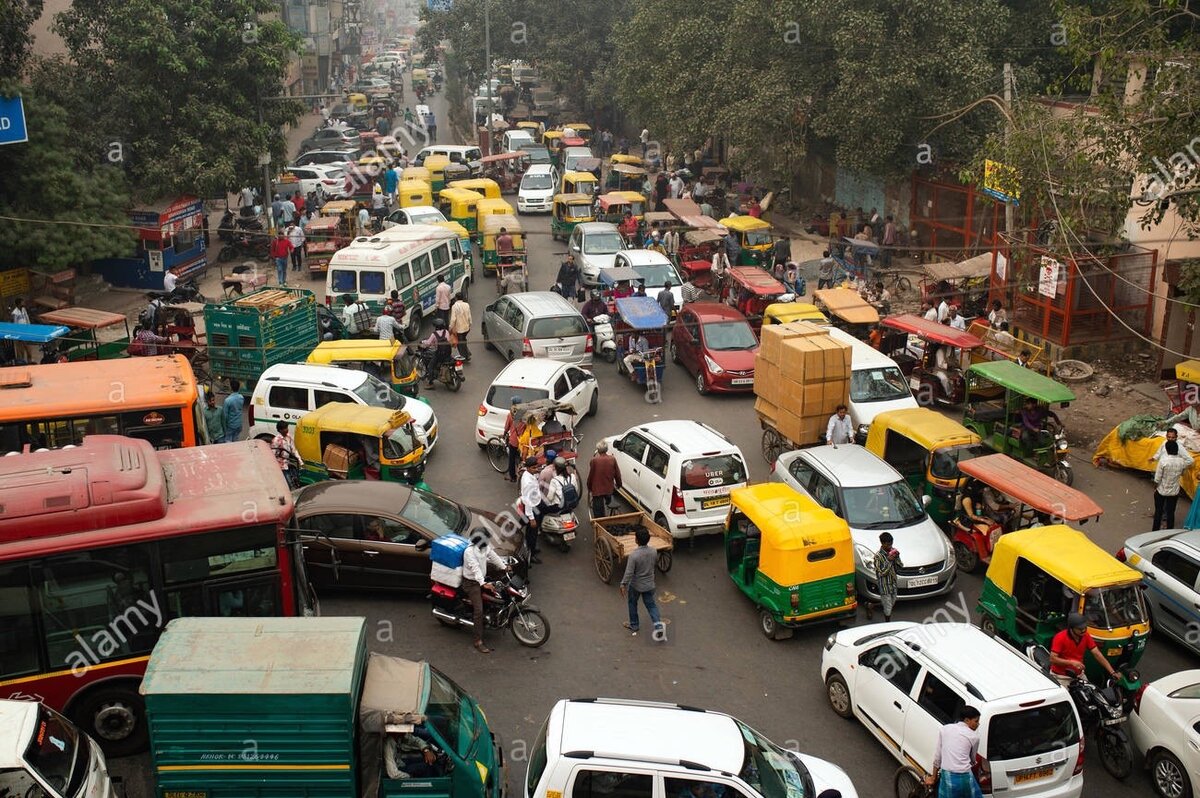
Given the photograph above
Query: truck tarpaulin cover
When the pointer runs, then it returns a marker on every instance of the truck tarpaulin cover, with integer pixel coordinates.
(392, 695)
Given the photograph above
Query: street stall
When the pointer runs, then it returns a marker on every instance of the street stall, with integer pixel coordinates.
(170, 236)
(1136, 442)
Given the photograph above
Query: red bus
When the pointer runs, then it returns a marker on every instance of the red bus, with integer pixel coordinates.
(101, 544)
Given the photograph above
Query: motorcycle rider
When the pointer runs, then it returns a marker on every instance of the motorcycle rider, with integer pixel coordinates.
(439, 341)
(594, 307)
(1069, 646)
(475, 563)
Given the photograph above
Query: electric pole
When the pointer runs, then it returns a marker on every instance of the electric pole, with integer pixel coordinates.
(1009, 214)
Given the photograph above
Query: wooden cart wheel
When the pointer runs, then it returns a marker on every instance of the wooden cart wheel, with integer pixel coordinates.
(773, 444)
(663, 563)
(605, 560)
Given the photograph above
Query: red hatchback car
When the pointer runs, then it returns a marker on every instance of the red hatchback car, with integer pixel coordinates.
(717, 344)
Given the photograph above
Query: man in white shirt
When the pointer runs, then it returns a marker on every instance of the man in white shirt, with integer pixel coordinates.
(364, 220)
(957, 321)
(20, 315)
(442, 296)
(476, 559)
(840, 428)
(295, 237)
(386, 327)
(676, 186)
(931, 312)
(645, 139)
(531, 500)
(169, 281)
(954, 759)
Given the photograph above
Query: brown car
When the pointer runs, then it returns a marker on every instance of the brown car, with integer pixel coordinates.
(366, 534)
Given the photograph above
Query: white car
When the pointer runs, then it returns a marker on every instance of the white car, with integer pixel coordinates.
(1165, 726)
(325, 180)
(537, 189)
(1170, 560)
(532, 378)
(573, 155)
(417, 214)
(340, 159)
(681, 473)
(595, 246)
(655, 269)
(872, 497)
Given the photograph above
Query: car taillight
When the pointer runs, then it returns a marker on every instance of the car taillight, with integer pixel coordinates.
(1137, 699)
(482, 411)
(526, 348)
(676, 502)
(1079, 762)
(588, 346)
(328, 300)
(1121, 554)
(984, 771)
(329, 182)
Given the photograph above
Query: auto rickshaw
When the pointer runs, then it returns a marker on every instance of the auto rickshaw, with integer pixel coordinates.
(625, 177)
(643, 315)
(926, 448)
(357, 101)
(413, 193)
(751, 290)
(700, 244)
(931, 383)
(582, 130)
(553, 139)
(755, 237)
(323, 236)
(505, 169)
(436, 164)
(847, 310)
(637, 203)
(420, 79)
(567, 211)
(492, 207)
(481, 185)
(1003, 345)
(416, 173)
(344, 440)
(787, 312)
(387, 147)
(460, 205)
(611, 207)
(536, 129)
(18, 341)
(456, 172)
(579, 183)
(389, 361)
(590, 165)
(1038, 576)
(94, 334)
(489, 228)
(615, 283)
(1030, 497)
(792, 557)
(996, 395)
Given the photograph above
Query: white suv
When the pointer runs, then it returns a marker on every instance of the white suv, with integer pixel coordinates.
(537, 189)
(640, 749)
(681, 472)
(904, 681)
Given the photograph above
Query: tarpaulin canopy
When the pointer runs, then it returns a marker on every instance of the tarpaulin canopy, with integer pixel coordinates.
(976, 267)
(642, 313)
(394, 694)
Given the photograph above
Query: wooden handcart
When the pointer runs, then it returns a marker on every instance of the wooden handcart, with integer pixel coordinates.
(615, 541)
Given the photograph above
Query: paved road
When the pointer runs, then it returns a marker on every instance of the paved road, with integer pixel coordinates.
(716, 657)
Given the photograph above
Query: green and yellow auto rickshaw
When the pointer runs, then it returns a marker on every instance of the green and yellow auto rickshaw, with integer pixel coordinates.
(755, 236)
(625, 177)
(436, 164)
(414, 194)
(577, 182)
(1008, 406)
(480, 185)
(389, 361)
(926, 448)
(792, 557)
(490, 227)
(1039, 575)
(345, 440)
(567, 211)
(460, 205)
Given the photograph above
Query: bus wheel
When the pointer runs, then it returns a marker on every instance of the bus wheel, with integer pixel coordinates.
(413, 331)
(115, 717)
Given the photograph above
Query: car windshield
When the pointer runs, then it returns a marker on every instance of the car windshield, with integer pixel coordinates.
(451, 713)
(376, 393)
(539, 155)
(712, 472)
(758, 238)
(578, 211)
(771, 771)
(434, 514)
(1111, 607)
(655, 274)
(537, 182)
(882, 506)
(602, 243)
(944, 464)
(501, 395)
(729, 336)
(426, 217)
(400, 442)
(57, 753)
(1030, 732)
(558, 327)
(878, 385)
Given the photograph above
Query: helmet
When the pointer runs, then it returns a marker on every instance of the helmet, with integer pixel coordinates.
(550, 455)
(560, 462)
(1076, 621)
(439, 324)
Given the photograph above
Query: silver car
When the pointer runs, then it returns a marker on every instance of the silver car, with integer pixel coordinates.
(1170, 562)
(595, 245)
(537, 324)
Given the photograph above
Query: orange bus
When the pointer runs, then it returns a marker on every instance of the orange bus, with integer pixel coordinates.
(153, 398)
(102, 544)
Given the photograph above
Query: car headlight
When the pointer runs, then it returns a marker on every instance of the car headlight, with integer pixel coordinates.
(712, 365)
(865, 555)
(949, 549)
(830, 642)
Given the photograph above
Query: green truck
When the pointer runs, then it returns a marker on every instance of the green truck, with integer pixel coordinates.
(298, 707)
(248, 334)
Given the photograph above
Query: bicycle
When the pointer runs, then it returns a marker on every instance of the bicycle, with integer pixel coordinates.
(909, 784)
(497, 453)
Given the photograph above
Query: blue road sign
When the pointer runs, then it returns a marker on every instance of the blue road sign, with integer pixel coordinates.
(12, 121)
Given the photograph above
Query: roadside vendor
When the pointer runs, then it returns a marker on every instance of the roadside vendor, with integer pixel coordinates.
(1189, 415)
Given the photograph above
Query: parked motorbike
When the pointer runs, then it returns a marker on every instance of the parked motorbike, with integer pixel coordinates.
(606, 342)
(245, 245)
(186, 291)
(450, 373)
(505, 604)
(1103, 713)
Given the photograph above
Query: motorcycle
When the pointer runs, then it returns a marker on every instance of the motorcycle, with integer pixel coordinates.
(184, 292)
(606, 342)
(505, 604)
(1102, 710)
(450, 374)
(559, 528)
(245, 246)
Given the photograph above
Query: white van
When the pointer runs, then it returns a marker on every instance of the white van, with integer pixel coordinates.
(405, 258)
(516, 139)
(876, 384)
(467, 154)
(286, 391)
(904, 681)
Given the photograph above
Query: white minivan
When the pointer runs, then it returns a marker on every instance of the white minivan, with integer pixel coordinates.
(537, 189)
(516, 139)
(904, 681)
(876, 383)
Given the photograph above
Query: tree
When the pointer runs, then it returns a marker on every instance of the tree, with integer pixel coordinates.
(52, 180)
(180, 85)
(16, 17)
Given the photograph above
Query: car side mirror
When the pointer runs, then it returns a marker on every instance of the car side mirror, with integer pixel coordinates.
(926, 500)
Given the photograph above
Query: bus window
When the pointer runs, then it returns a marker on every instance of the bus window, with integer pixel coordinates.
(371, 282)
(19, 641)
(219, 554)
(402, 276)
(344, 281)
(421, 267)
(441, 256)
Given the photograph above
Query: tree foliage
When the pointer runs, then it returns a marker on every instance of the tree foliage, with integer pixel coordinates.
(16, 17)
(178, 83)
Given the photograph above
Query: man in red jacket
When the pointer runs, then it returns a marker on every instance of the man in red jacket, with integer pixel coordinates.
(281, 250)
(603, 479)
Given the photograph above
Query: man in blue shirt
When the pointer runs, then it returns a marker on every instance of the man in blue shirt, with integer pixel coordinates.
(235, 405)
(391, 181)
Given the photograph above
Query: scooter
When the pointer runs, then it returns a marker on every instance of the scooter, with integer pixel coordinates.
(505, 604)
(450, 373)
(606, 342)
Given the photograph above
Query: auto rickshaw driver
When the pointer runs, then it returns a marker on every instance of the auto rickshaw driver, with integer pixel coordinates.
(1038, 422)
(941, 362)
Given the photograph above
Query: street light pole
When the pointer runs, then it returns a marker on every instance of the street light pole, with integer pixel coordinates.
(487, 74)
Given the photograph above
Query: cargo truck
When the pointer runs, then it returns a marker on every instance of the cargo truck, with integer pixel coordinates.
(298, 707)
(248, 334)
(43, 755)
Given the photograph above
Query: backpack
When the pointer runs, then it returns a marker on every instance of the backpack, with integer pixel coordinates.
(360, 319)
(570, 494)
(148, 318)
(443, 344)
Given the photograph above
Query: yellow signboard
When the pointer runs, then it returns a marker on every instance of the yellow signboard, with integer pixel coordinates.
(1000, 181)
(14, 282)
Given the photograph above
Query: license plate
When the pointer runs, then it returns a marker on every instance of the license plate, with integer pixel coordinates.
(708, 504)
(923, 581)
(742, 381)
(568, 535)
(1032, 775)
(558, 351)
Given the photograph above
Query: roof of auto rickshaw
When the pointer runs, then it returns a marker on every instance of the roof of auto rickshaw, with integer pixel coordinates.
(776, 509)
(619, 274)
(504, 156)
(629, 160)
(355, 418)
(579, 126)
(414, 184)
(480, 185)
(642, 313)
(457, 191)
(1064, 553)
(847, 305)
(492, 222)
(661, 217)
(1188, 371)
(589, 165)
(353, 349)
(370, 160)
(527, 125)
(82, 318)
(337, 207)
(356, 97)
(930, 330)
(611, 198)
(494, 205)
(573, 198)
(744, 224)
(707, 235)
(632, 196)
(1031, 487)
(31, 333)
(420, 73)
(1022, 380)
(579, 174)
(926, 427)
(978, 266)
(415, 173)
(436, 162)
(627, 169)
(785, 312)
(553, 135)
(574, 141)
(756, 280)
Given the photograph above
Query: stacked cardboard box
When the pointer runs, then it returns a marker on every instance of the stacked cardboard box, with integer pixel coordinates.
(801, 375)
